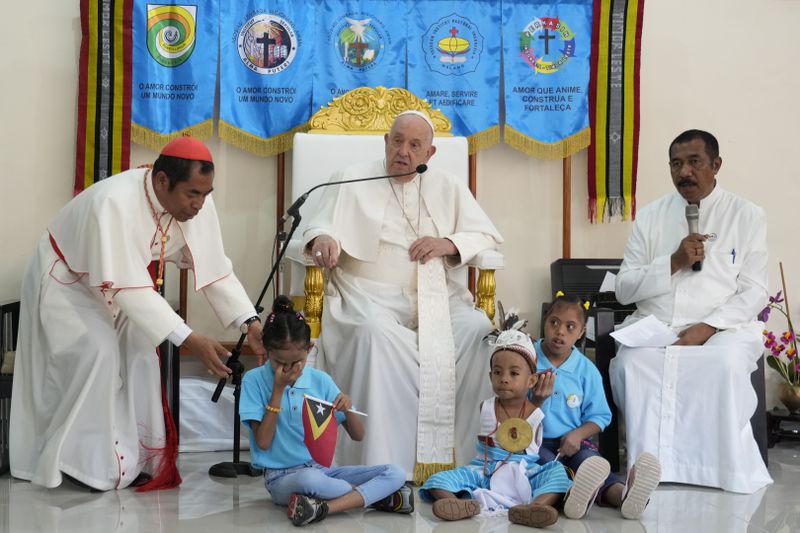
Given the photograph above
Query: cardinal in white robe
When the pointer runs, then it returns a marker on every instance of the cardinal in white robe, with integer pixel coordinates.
(87, 396)
(399, 329)
(690, 403)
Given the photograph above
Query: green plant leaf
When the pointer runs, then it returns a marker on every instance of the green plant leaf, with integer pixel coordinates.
(775, 364)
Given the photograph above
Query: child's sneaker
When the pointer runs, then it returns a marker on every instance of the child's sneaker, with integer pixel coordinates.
(303, 510)
(400, 501)
(455, 508)
(642, 481)
(588, 480)
(533, 515)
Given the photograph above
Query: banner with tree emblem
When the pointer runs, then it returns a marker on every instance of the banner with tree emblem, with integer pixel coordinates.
(265, 95)
(358, 43)
(174, 70)
(547, 48)
(454, 63)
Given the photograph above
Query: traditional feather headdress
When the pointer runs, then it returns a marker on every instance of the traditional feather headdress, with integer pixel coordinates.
(509, 336)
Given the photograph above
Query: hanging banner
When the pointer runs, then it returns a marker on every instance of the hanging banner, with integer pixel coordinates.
(104, 97)
(546, 64)
(454, 63)
(174, 70)
(614, 109)
(265, 66)
(358, 43)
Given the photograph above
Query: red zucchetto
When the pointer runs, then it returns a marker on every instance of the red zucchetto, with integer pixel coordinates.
(187, 148)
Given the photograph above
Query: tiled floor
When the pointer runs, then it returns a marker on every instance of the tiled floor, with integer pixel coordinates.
(204, 504)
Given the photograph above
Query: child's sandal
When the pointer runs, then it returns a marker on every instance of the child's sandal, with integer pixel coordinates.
(533, 515)
(455, 509)
(642, 481)
(588, 480)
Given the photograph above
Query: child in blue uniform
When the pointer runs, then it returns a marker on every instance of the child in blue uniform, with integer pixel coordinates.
(271, 406)
(457, 493)
(578, 410)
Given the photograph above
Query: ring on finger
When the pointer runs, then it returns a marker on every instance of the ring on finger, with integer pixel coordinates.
(318, 254)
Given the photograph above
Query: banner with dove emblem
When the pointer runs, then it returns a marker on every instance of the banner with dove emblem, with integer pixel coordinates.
(358, 43)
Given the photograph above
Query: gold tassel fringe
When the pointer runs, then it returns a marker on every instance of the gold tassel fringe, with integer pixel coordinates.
(422, 471)
(258, 145)
(484, 139)
(563, 148)
(156, 141)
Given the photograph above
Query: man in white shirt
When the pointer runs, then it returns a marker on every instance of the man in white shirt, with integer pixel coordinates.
(87, 387)
(690, 403)
(399, 330)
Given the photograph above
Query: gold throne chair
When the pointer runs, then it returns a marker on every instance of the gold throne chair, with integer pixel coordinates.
(350, 130)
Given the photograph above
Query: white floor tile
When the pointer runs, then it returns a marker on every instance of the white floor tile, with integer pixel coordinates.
(212, 505)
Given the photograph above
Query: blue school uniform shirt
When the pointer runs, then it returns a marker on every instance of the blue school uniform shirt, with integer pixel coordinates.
(578, 396)
(287, 448)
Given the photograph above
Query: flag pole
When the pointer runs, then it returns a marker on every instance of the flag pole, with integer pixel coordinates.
(566, 208)
(323, 402)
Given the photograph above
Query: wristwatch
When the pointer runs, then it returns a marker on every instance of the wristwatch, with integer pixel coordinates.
(245, 327)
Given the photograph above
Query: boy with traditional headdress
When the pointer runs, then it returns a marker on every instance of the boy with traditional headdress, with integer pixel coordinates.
(504, 473)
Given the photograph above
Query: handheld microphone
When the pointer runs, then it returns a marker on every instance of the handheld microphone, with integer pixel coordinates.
(294, 209)
(693, 220)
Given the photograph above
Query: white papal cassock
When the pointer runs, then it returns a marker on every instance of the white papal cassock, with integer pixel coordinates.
(691, 405)
(87, 393)
(409, 354)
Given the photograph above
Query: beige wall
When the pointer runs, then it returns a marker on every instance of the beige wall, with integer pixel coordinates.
(722, 65)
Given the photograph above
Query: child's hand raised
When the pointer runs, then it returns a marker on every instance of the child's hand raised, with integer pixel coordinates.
(542, 387)
(342, 402)
(286, 374)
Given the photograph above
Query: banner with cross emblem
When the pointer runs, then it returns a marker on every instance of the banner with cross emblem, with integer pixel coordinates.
(265, 60)
(547, 48)
(454, 63)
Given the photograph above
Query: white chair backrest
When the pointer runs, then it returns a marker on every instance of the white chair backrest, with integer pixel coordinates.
(315, 157)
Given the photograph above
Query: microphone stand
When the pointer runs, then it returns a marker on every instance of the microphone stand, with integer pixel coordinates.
(236, 467)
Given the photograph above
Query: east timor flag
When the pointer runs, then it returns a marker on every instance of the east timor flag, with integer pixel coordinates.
(319, 427)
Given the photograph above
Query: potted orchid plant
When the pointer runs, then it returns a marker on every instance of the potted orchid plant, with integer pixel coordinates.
(783, 357)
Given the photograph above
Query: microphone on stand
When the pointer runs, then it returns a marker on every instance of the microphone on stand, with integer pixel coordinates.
(294, 209)
(693, 220)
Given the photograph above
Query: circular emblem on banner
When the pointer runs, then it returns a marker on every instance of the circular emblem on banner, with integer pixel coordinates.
(267, 43)
(359, 40)
(171, 32)
(452, 45)
(546, 44)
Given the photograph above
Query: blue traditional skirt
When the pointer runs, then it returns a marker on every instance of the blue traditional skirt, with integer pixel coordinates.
(464, 480)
